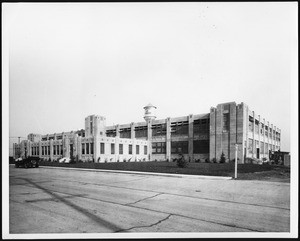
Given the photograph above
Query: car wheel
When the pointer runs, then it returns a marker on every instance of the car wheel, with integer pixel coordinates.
(37, 165)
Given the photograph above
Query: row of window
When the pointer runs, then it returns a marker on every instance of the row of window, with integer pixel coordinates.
(199, 147)
(177, 128)
(263, 147)
(121, 149)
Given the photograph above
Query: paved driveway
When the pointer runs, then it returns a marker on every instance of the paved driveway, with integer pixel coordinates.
(48, 200)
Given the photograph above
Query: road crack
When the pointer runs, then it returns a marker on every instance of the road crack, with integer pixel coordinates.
(143, 199)
(145, 226)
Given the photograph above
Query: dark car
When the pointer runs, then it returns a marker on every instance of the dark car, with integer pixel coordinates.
(27, 162)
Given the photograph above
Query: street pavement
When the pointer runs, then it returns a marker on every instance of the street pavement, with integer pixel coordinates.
(54, 200)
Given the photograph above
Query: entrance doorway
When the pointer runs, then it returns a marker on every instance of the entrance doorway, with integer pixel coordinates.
(71, 151)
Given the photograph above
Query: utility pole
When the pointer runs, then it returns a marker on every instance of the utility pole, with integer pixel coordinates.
(235, 163)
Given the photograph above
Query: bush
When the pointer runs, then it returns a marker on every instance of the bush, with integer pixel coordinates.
(207, 161)
(249, 160)
(222, 159)
(181, 162)
(214, 160)
(197, 160)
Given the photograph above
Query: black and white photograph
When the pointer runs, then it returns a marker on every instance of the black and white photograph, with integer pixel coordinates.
(149, 120)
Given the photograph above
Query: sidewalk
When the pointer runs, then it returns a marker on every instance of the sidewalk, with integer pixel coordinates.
(144, 173)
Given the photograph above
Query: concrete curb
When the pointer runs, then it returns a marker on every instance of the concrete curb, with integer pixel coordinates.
(142, 173)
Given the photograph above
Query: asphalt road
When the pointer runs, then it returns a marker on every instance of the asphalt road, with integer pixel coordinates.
(47, 200)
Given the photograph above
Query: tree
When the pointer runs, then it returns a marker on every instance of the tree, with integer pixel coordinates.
(222, 160)
(181, 162)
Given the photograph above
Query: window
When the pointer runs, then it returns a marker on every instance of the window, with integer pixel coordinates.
(251, 124)
(112, 148)
(266, 148)
(250, 146)
(120, 149)
(201, 146)
(54, 149)
(201, 126)
(48, 150)
(226, 122)
(159, 130)
(179, 128)
(137, 148)
(158, 147)
(91, 129)
(92, 148)
(179, 147)
(87, 148)
(83, 148)
(145, 150)
(125, 133)
(102, 148)
(61, 150)
(261, 149)
(110, 133)
(130, 149)
(141, 131)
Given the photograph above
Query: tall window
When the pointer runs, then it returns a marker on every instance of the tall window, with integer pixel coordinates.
(121, 149)
(83, 148)
(130, 149)
(137, 148)
(91, 127)
(251, 125)
(261, 149)
(112, 148)
(48, 150)
(256, 127)
(226, 122)
(54, 149)
(87, 148)
(92, 148)
(266, 148)
(61, 149)
(145, 150)
(250, 146)
(102, 148)
(158, 147)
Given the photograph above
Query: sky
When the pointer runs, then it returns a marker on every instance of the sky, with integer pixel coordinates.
(66, 61)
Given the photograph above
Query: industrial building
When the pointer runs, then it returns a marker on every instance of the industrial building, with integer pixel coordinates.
(199, 137)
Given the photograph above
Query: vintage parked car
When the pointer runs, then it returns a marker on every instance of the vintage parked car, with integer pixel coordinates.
(64, 160)
(30, 161)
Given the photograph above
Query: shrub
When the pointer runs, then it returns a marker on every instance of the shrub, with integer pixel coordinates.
(207, 161)
(222, 159)
(197, 160)
(155, 160)
(249, 160)
(214, 160)
(124, 160)
(181, 162)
